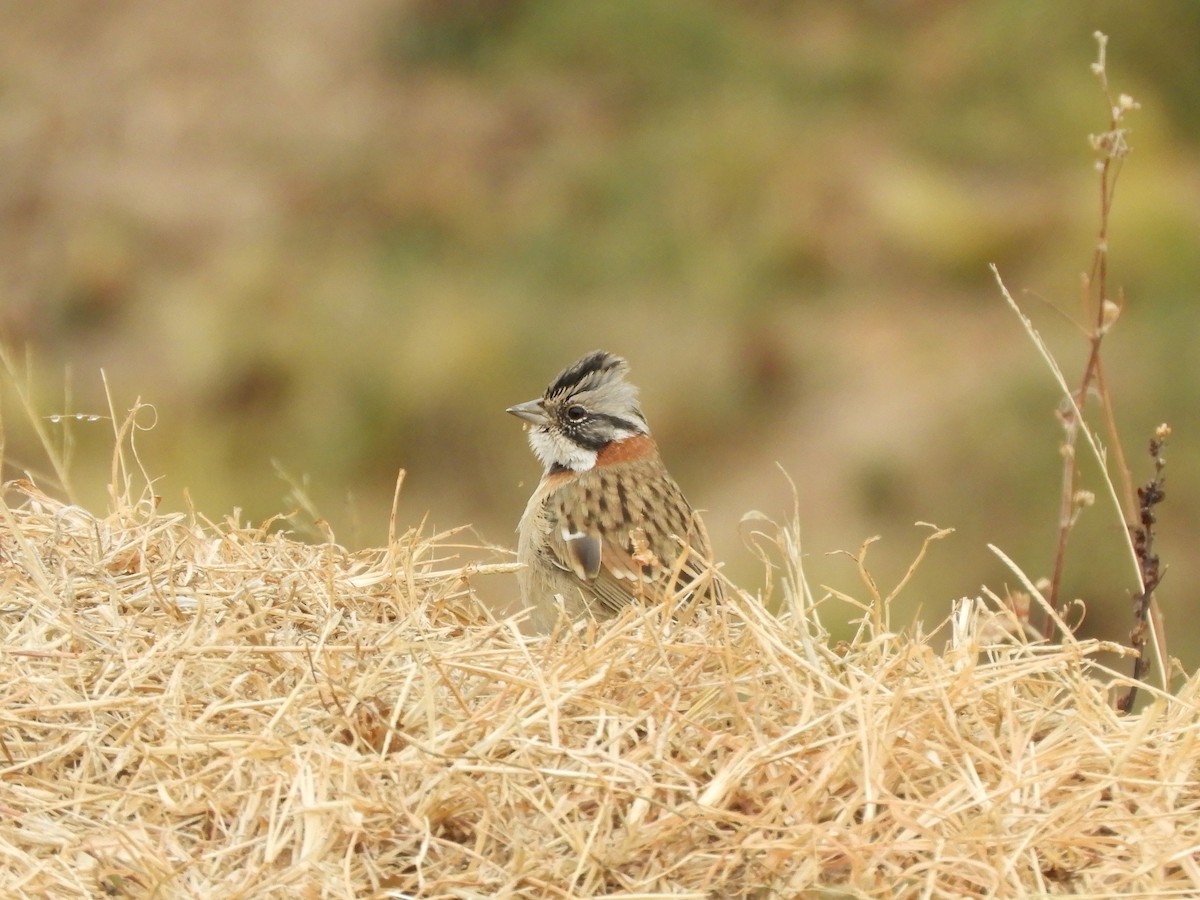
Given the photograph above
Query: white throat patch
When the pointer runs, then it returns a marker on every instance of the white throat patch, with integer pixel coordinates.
(554, 449)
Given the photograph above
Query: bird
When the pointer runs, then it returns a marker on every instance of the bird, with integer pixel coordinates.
(607, 525)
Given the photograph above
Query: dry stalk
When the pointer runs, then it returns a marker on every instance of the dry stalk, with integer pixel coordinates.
(1149, 497)
(1112, 147)
(20, 377)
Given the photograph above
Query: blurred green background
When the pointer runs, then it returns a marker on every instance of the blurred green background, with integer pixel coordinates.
(345, 236)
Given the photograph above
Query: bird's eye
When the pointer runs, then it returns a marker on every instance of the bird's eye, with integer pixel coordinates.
(576, 413)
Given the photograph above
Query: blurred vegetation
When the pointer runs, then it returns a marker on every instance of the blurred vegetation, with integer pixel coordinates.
(346, 236)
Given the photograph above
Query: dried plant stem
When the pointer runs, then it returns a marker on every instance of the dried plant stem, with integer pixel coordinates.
(1143, 541)
(21, 379)
(1110, 425)
(1112, 148)
(1066, 519)
(1072, 407)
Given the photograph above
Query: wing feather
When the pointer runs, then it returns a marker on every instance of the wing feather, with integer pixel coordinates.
(637, 554)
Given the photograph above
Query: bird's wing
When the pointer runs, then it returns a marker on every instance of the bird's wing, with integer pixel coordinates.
(651, 540)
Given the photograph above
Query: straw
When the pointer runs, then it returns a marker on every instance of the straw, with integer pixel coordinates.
(200, 709)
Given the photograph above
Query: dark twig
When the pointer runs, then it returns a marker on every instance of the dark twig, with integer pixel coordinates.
(1143, 544)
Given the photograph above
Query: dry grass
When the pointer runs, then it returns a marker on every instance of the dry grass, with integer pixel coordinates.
(213, 710)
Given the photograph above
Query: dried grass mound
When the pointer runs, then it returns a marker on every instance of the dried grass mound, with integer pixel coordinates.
(202, 710)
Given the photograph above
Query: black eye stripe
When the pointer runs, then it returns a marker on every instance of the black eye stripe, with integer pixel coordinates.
(596, 422)
(590, 441)
(595, 432)
(618, 422)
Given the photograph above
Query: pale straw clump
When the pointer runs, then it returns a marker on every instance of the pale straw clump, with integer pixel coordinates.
(194, 709)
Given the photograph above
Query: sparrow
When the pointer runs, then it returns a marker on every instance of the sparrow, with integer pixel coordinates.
(607, 525)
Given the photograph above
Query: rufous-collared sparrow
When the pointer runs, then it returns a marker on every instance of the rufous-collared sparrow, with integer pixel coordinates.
(607, 525)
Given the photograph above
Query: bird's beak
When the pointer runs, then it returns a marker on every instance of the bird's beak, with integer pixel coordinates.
(533, 412)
